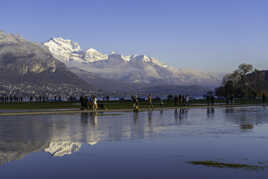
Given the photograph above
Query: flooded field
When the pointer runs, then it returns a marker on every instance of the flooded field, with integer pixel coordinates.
(194, 143)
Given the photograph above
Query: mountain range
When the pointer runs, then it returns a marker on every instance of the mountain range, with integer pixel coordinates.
(124, 73)
(60, 63)
(29, 68)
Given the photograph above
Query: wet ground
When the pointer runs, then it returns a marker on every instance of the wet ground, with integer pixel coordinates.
(194, 143)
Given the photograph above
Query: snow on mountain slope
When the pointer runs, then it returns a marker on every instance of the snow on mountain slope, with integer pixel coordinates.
(137, 69)
(64, 50)
(60, 149)
(92, 55)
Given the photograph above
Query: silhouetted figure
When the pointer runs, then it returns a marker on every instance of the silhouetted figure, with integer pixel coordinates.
(101, 106)
(212, 100)
(176, 101)
(183, 100)
(208, 100)
(81, 102)
(86, 102)
(161, 103)
(187, 100)
(180, 100)
(150, 100)
(232, 99)
(94, 103)
(107, 98)
(135, 103)
(263, 98)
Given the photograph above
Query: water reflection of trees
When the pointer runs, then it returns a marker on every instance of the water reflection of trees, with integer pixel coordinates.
(246, 118)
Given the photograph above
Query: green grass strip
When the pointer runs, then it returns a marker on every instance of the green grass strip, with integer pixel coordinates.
(216, 164)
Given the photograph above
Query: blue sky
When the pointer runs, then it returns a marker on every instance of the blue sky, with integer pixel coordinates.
(205, 35)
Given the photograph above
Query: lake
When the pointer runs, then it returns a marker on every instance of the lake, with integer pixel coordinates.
(196, 143)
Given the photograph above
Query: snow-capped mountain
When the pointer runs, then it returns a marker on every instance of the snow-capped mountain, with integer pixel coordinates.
(92, 55)
(132, 69)
(28, 68)
(66, 51)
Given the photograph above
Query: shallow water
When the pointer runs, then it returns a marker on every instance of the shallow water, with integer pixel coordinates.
(156, 144)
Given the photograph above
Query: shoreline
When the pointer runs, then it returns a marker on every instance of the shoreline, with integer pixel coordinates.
(77, 111)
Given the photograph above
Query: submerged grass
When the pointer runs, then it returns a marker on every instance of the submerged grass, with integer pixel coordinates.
(216, 164)
(104, 114)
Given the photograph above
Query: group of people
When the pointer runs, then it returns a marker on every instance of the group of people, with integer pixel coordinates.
(31, 99)
(89, 103)
(210, 100)
(24, 99)
(181, 100)
(135, 101)
(10, 99)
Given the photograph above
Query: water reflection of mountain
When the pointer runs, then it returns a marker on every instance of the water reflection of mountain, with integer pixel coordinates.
(68, 135)
(57, 135)
(61, 135)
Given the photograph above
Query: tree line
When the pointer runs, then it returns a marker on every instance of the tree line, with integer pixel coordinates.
(244, 82)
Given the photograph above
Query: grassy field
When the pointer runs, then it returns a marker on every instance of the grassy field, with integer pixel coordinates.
(111, 104)
(54, 105)
(69, 105)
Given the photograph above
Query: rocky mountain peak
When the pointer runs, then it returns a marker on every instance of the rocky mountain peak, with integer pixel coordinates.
(140, 69)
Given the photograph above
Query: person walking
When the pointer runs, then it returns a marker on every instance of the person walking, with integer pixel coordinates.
(161, 103)
(81, 102)
(184, 100)
(180, 100)
(208, 100)
(212, 100)
(263, 98)
(95, 104)
(176, 101)
(86, 102)
(135, 103)
(150, 101)
(187, 100)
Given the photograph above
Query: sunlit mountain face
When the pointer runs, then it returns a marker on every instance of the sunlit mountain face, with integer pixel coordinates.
(123, 70)
(30, 68)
